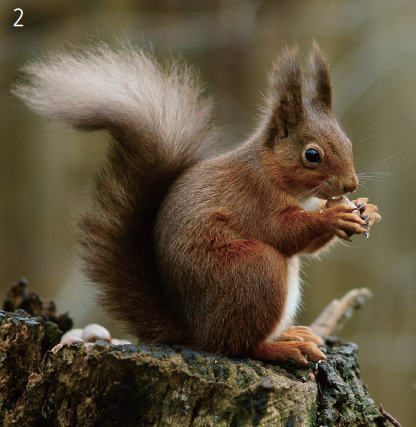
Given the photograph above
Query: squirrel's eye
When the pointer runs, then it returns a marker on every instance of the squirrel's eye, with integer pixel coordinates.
(312, 156)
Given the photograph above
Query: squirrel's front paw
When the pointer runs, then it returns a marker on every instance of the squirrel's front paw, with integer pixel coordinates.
(344, 221)
(367, 212)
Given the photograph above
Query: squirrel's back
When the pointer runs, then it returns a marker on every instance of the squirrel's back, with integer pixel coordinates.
(159, 126)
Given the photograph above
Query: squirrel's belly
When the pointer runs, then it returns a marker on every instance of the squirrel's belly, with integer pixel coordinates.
(292, 302)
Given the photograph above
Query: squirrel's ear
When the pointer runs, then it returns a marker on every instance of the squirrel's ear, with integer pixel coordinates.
(320, 86)
(285, 95)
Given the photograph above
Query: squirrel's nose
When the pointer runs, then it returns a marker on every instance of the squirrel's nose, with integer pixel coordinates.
(351, 185)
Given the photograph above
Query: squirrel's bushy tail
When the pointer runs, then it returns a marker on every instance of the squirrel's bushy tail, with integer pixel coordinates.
(159, 126)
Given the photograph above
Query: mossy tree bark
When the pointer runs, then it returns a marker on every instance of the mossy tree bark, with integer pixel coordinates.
(158, 385)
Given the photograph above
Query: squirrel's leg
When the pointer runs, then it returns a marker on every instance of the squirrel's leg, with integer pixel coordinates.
(296, 343)
(281, 344)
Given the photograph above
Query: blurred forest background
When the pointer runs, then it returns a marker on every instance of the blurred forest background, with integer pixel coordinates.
(371, 46)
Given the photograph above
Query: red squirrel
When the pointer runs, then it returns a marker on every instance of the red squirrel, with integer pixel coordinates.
(203, 252)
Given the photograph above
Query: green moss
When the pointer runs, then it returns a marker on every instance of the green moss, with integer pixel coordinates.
(170, 386)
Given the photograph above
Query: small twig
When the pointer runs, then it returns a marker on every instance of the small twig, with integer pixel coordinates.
(335, 315)
(388, 416)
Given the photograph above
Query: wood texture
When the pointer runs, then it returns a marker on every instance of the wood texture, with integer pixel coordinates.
(159, 385)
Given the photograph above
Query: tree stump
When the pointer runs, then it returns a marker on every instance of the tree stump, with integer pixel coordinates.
(48, 384)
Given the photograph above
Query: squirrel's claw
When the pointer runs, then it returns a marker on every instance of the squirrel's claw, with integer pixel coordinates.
(368, 213)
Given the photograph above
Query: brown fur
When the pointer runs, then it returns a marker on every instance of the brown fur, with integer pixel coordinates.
(203, 253)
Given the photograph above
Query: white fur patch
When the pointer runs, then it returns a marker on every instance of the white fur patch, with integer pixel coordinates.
(293, 299)
(312, 204)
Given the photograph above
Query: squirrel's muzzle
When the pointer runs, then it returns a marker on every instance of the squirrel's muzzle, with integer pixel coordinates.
(351, 184)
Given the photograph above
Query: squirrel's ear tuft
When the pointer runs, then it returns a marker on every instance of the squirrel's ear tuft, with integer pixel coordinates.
(285, 94)
(320, 86)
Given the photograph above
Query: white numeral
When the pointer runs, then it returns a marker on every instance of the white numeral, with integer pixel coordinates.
(16, 24)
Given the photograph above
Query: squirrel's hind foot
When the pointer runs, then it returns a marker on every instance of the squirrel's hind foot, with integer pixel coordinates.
(300, 352)
(301, 333)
